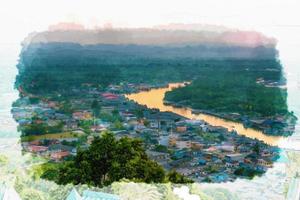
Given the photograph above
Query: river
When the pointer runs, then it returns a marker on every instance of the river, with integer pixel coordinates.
(154, 98)
(272, 185)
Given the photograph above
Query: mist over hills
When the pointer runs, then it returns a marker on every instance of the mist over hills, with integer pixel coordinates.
(172, 34)
(164, 41)
(132, 51)
(68, 55)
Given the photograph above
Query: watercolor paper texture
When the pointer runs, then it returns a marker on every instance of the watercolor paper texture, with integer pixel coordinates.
(149, 100)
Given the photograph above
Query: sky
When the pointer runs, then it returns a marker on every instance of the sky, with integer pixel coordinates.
(276, 18)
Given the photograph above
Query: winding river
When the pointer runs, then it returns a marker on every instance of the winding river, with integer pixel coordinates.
(154, 98)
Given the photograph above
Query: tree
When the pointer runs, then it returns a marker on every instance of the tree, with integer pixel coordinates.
(118, 125)
(108, 160)
(115, 112)
(146, 123)
(161, 148)
(96, 107)
(256, 148)
(66, 107)
(175, 177)
(139, 113)
(29, 194)
(131, 162)
(248, 172)
(3, 160)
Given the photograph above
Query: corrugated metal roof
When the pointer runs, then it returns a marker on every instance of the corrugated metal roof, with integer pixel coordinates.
(74, 195)
(91, 195)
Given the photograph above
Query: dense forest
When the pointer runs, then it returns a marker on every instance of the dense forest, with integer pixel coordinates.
(231, 86)
(55, 67)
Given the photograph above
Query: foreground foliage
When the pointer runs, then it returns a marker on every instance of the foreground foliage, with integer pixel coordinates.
(108, 160)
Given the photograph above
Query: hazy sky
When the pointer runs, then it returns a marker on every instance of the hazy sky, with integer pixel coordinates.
(278, 18)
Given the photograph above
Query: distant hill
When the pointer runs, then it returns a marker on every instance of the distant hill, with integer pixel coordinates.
(69, 55)
(161, 35)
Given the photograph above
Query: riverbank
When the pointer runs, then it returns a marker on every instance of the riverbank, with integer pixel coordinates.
(54, 128)
(154, 99)
(258, 124)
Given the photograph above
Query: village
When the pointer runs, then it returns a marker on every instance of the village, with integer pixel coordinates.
(55, 126)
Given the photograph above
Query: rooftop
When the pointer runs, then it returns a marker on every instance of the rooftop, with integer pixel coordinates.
(91, 195)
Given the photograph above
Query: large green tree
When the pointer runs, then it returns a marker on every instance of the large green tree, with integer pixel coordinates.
(108, 160)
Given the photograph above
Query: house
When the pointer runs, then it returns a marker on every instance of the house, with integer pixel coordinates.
(162, 119)
(179, 154)
(82, 115)
(201, 161)
(138, 127)
(107, 109)
(60, 147)
(60, 116)
(49, 112)
(219, 129)
(37, 148)
(57, 156)
(52, 104)
(78, 132)
(181, 129)
(250, 158)
(183, 144)
(226, 147)
(98, 128)
(270, 123)
(194, 122)
(243, 148)
(184, 171)
(211, 149)
(127, 115)
(196, 145)
(35, 142)
(74, 152)
(74, 195)
(71, 124)
(204, 127)
(264, 163)
(164, 140)
(24, 121)
(52, 122)
(87, 194)
(219, 177)
(144, 87)
(154, 123)
(154, 155)
(109, 96)
(237, 157)
(172, 141)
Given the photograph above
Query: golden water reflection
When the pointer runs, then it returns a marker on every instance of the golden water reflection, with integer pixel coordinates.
(154, 99)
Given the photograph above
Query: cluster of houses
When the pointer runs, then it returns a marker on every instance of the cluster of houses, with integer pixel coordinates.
(53, 149)
(274, 125)
(192, 147)
(203, 152)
